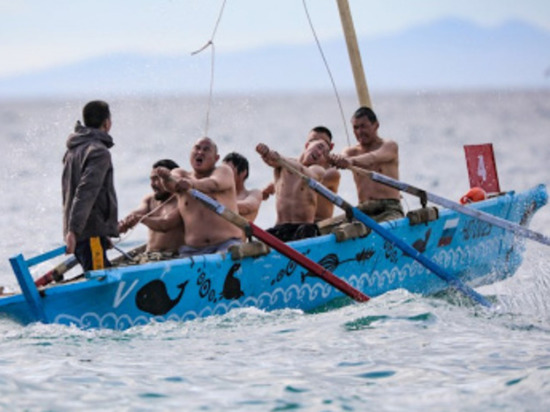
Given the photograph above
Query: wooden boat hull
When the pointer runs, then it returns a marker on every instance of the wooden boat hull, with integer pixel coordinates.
(183, 289)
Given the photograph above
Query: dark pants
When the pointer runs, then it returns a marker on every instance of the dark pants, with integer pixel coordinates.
(91, 253)
(294, 231)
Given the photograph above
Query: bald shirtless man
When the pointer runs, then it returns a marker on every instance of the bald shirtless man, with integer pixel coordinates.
(159, 212)
(248, 200)
(376, 154)
(331, 178)
(205, 231)
(296, 202)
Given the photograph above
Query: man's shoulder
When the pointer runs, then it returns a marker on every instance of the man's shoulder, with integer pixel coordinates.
(389, 142)
(352, 150)
(150, 199)
(390, 146)
(96, 147)
(332, 173)
(178, 171)
(255, 193)
(318, 170)
(222, 169)
(223, 166)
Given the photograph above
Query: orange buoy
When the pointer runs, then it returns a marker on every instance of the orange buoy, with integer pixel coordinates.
(475, 194)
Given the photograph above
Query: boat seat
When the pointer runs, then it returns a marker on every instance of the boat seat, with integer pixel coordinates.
(329, 225)
(351, 230)
(422, 215)
(248, 249)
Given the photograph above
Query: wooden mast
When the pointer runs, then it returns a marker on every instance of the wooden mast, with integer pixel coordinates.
(354, 54)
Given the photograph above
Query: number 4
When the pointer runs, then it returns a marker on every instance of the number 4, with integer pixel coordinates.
(481, 171)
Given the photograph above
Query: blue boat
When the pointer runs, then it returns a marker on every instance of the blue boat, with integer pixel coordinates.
(467, 250)
(472, 250)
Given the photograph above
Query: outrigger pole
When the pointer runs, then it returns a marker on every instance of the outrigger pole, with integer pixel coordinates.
(354, 54)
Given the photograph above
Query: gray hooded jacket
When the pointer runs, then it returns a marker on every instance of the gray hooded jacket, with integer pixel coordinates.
(89, 198)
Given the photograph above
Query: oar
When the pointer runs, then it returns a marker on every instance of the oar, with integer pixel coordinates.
(449, 204)
(130, 255)
(388, 235)
(56, 274)
(252, 230)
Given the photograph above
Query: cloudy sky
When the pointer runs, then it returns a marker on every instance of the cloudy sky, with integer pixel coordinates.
(36, 34)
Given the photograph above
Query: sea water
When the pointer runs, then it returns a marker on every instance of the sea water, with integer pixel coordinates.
(397, 352)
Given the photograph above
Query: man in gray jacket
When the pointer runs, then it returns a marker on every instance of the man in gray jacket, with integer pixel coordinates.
(89, 198)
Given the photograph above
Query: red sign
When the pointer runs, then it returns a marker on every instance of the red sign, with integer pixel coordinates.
(482, 168)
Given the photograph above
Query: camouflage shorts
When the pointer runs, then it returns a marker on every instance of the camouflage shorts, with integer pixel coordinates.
(147, 257)
(382, 210)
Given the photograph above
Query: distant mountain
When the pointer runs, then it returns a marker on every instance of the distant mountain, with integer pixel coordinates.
(446, 55)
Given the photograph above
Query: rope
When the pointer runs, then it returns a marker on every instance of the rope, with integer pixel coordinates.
(129, 231)
(328, 71)
(212, 66)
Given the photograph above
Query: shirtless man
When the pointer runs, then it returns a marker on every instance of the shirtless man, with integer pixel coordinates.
(331, 178)
(159, 212)
(248, 201)
(296, 202)
(376, 154)
(205, 231)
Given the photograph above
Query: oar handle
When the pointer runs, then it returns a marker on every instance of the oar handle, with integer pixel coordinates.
(56, 274)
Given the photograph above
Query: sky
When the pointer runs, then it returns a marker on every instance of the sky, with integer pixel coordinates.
(37, 34)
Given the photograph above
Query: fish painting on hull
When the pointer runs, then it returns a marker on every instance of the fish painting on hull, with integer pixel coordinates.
(153, 297)
(232, 285)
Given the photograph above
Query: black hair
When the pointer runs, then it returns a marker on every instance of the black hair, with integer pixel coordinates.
(323, 129)
(365, 111)
(95, 113)
(239, 161)
(167, 163)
